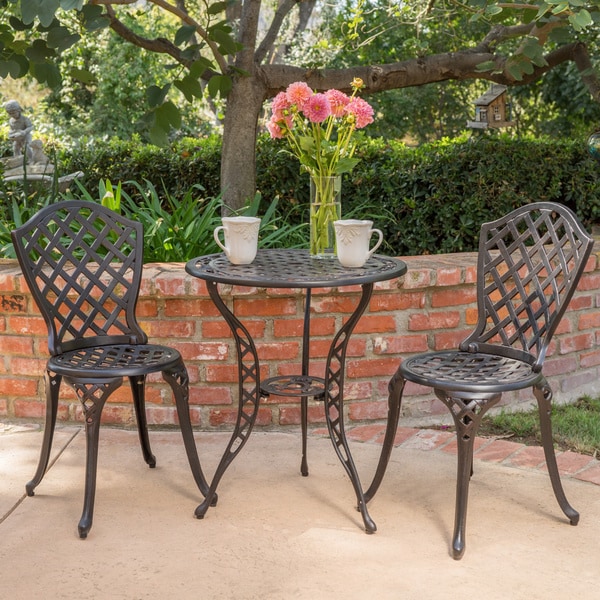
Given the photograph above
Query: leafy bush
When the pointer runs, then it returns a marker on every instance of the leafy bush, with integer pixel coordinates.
(427, 200)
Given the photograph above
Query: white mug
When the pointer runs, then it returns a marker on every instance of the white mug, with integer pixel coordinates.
(353, 237)
(241, 238)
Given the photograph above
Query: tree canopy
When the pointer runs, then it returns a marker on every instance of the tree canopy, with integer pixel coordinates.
(243, 51)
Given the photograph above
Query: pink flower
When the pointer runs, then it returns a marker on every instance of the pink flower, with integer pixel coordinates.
(362, 112)
(298, 93)
(274, 129)
(280, 102)
(338, 101)
(317, 108)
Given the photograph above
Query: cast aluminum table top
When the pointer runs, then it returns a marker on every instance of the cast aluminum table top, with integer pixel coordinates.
(289, 268)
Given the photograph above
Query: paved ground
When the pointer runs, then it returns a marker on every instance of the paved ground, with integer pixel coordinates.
(276, 535)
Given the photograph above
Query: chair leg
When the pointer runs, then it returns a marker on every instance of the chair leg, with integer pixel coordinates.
(395, 389)
(304, 425)
(138, 390)
(543, 395)
(178, 379)
(467, 413)
(52, 389)
(93, 396)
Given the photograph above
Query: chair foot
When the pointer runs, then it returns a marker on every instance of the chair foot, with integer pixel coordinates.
(30, 488)
(458, 549)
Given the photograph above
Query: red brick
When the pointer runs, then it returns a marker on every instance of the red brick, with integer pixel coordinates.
(13, 303)
(19, 386)
(256, 307)
(590, 359)
(278, 350)
(404, 344)
(528, 457)
(589, 321)
(16, 345)
(169, 329)
(146, 308)
(334, 304)
(497, 450)
(371, 367)
(204, 394)
(426, 321)
(291, 415)
(367, 411)
(576, 343)
(397, 301)
(374, 324)
(171, 283)
(28, 325)
(449, 340)
(229, 416)
(449, 276)
(25, 409)
(454, 297)
(33, 367)
(190, 307)
(203, 350)
(366, 433)
(560, 366)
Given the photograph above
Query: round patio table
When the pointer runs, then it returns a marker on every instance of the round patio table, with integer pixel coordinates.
(290, 268)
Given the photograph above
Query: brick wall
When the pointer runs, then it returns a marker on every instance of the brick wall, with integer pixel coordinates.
(431, 307)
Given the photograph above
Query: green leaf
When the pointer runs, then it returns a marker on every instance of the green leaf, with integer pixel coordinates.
(488, 65)
(158, 136)
(216, 7)
(156, 95)
(47, 73)
(581, 20)
(219, 84)
(184, 34)
(515, 71)
(82, 75)
(61, 38)
(39, 51)
(168, 115)
(44, 10)
(190, 87)
(226, 42)
(199, 66)
(71, 4)
(18, 25)
(93, 18)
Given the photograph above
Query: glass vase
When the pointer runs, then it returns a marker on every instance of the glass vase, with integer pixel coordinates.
(325, 208)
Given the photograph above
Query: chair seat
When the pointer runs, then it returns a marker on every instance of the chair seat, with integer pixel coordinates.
(118, 360)
(469, 372)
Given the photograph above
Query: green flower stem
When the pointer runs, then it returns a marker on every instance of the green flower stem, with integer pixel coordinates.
(325, 208)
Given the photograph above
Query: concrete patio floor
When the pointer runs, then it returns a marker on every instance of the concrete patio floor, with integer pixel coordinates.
(277, 535)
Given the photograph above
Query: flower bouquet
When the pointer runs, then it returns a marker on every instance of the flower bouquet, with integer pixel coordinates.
(319, 128)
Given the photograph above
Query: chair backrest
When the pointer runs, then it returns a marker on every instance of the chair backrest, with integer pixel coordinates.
(83, 265)
(529, 264)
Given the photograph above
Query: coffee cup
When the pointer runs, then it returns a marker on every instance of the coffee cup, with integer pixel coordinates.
(240, 238)
(353, 238)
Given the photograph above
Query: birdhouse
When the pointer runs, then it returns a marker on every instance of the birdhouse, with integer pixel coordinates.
(492, 110)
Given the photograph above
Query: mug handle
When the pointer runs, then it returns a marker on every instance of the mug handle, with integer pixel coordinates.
(380, 234)
(216, 236)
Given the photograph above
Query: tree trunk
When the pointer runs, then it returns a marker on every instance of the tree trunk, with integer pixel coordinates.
(238, 157)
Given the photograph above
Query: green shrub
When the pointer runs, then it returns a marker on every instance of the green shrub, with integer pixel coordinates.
(427, 200)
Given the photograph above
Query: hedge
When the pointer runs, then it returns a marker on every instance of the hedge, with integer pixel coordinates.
(430, 199)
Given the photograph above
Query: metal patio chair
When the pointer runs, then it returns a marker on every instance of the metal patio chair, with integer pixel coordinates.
(529, 264)
(83, 265)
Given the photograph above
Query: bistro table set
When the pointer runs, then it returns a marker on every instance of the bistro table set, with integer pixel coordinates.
(83, 265)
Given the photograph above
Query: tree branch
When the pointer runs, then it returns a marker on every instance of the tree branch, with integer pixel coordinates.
(161, 44)
(271, 36)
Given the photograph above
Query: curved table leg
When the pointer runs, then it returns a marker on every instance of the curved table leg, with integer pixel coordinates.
(334, 402)
(249, 395)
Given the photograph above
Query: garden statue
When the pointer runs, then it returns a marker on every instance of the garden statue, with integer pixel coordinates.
(29, 162)
(20, 129)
